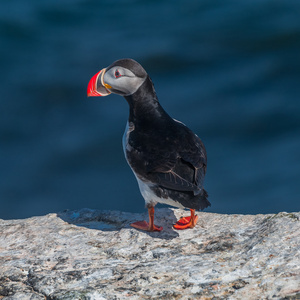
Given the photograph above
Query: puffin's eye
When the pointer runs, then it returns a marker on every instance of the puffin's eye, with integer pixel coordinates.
(117, 74)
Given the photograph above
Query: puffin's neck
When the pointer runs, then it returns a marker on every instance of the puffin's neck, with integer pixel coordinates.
(144, 107)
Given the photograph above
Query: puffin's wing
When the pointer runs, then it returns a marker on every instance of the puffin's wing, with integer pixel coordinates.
(174, 181)
(196, 156)
(183, 170)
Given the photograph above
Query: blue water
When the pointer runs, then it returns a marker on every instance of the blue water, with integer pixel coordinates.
(230, 70)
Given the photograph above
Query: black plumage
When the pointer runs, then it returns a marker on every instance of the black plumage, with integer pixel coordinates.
(167, 158)
(164, 152)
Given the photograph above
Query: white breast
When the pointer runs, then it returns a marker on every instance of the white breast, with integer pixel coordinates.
(151, 198)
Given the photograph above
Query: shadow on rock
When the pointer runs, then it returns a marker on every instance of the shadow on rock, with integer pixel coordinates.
(106, 220)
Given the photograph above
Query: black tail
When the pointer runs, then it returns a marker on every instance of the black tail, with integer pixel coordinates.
(198, 202)
(189, 200)
(202, 200)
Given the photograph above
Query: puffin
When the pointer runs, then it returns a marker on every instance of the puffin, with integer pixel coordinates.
(167, 158)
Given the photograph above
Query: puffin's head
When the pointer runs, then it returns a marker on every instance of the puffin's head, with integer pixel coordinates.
(123, 77)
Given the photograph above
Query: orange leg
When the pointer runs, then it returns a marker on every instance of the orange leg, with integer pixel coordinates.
(143, 225)
(187, 222)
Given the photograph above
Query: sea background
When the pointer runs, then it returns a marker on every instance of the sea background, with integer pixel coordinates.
(230, 70)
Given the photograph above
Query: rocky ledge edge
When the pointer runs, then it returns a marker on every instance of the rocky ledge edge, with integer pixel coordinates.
(91, 254)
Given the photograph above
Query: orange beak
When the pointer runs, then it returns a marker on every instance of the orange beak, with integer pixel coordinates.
(96, 86)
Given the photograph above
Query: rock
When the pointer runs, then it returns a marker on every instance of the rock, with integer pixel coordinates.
(90, 254)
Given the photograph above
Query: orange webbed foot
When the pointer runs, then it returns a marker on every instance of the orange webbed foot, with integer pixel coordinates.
(186, 222)
(143, 225)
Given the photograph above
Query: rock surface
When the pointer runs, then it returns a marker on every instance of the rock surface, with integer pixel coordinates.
(91, 254)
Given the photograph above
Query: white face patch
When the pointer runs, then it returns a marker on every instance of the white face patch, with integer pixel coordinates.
(122, 80)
